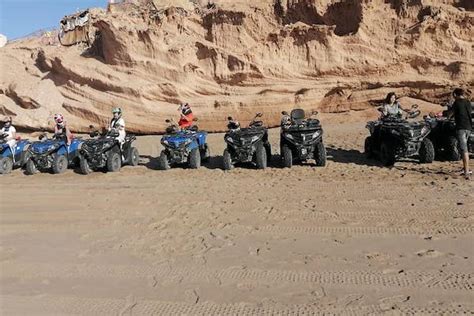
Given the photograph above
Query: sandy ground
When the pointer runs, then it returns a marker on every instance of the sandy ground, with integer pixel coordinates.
(352, 237)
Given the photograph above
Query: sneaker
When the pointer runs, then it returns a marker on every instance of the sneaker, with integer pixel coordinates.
(463, 173)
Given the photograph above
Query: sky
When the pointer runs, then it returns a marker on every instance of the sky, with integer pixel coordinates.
(22, 17)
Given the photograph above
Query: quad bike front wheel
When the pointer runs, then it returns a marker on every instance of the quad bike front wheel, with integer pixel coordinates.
(287, 156)
(134, 157)
(31, 167)
(261, 157)
(268, 149)
(452, 149)
(163, 163)
(194, 159)
(114, 162)
(387, 154)
(59, 164)
(368, 147)
(320, 154)
(227, 160)
(427, 151)
(84, 166)
(6, 165)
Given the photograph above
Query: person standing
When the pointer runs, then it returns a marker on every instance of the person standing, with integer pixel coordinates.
(461, 110)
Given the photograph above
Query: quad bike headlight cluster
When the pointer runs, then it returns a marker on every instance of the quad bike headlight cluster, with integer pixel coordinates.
(255, 138)
(230, 139)
(316, 134)
(425, 130)
(52, 147)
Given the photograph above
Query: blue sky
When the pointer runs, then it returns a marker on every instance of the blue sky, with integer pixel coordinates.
(22, 17)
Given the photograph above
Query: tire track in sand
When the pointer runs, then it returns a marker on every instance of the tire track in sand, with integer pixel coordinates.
(108, 306)
(408, 279)
(463, 229)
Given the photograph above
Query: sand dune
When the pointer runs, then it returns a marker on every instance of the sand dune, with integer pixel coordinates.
(238, 58)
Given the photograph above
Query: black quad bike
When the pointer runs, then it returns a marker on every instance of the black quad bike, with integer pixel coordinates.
(103, 150)
(302, 139)
(248, 144)
(443, 136)
(392, 138)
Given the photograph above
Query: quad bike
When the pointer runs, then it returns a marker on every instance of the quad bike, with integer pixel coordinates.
(247, 144)
(52, 153)
(302, 139)
(12, 157)
(103, 150)
(443, 136)
(392, 138)
(183, 146)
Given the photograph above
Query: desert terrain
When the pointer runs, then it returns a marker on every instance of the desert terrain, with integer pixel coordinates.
(350, 238)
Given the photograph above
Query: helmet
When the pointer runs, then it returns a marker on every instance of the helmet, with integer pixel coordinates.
(7, 119)
(186, 109)
(58, 118)
(117, 110)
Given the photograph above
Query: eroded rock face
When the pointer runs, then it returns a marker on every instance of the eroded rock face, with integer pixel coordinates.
(240, 57)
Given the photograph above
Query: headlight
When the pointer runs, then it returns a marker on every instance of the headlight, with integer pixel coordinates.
(230, 139)
(316, 134)
(165, 142)
(52, 147)
(254, 139)
(394, 131)
(425, 130)
(289, 136)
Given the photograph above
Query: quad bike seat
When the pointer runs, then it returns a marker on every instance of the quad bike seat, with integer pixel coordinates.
(297, 116)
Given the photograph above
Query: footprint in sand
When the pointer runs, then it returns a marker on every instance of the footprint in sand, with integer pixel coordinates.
(430, 253)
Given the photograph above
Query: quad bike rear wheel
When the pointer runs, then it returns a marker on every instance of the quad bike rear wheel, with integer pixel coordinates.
(227, 160)
(387, 154)
(163, 163)
(114, 162)
(368, 147)
(452, 149)
(287, 156)
(194, 159)
(31, 167)
(320, 154)
(427, 151)
(84, 166)
(261, 156)
(134, 157)
(6, 165)
(60, 164)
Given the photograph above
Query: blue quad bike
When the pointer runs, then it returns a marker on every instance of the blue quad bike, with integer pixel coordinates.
(103, 150)
(15, 159)
(188, 146)
(52, 153)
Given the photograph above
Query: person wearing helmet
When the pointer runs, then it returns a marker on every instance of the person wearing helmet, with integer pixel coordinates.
(118, 124)
(8, 133)
(61, 129)
(187, 116)
(391, 107)
(233, 125)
